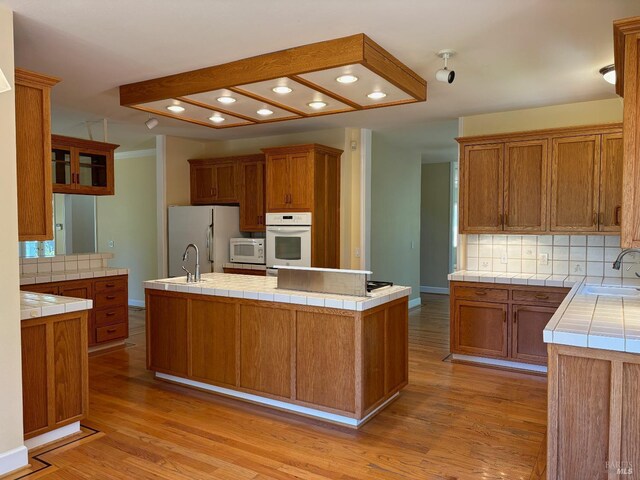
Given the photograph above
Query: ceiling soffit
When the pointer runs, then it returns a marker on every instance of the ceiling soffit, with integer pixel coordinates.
(309, 71)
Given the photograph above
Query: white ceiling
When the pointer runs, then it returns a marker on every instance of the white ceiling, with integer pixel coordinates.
(511, 54)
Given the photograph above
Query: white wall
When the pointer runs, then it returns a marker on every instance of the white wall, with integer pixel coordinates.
(13, 454)
(129, 220)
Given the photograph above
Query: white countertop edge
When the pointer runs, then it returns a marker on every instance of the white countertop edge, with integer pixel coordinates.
(63, 276)
(36, 305)
(317, 269)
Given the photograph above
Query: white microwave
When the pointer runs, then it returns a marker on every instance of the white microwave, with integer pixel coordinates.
(246, 250)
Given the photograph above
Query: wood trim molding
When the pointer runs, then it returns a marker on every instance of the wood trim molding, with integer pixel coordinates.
(622, 28)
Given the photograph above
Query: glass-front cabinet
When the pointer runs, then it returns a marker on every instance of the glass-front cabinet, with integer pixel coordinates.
(82, 166)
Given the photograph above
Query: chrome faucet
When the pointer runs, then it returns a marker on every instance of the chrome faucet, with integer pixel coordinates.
(192, 277)
(617, 263)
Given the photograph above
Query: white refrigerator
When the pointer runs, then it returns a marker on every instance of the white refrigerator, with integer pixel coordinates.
(208, 227)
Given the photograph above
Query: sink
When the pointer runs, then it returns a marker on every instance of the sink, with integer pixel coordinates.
(610, 291)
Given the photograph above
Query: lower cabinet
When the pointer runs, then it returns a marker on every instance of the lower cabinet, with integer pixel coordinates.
(108, 321)
(167, 338)
(502, 321)
(54, 371)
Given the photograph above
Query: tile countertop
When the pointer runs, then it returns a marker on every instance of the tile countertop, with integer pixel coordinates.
(582, 320)
(264, 288)
(31, 278)
(245, 266)
(34, 305)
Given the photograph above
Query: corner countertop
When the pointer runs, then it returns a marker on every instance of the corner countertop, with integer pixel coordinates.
(264, 288)
(46, 277)
(35, 305)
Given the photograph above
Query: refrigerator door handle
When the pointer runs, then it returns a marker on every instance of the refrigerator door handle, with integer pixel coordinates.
(210, 243)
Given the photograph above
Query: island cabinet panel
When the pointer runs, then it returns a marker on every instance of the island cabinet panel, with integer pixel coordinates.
(265, 349)
(213, 341)
(575, 185)
(525, 186)
(167, 334)
(397, 347)
(373, 358)
(54, 371)
(482, 180)
(34, 377)
(325, 352)
(480, 328)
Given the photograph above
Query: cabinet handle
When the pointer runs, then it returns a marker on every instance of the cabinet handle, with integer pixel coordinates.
(286, 198)
(111, 297)
(481, 292)
(500, 220)
(616, 215)
(542, 296)
(111, 330)
(211, 191)
(110, 285)
(595, 218)
(110, 314)
(289, 198)
(506, 219)
(601, 218)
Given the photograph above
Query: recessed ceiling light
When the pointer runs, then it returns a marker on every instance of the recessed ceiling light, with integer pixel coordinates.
(216, 118)
(175, 108)
(609, 73)
(317, 105)
(264, 112)
(376, 95)
(281, 89)
(226, 100)
(347, 79)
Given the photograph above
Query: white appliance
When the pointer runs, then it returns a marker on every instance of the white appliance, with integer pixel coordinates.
(247, 250)
(288, 239)
(208, 227)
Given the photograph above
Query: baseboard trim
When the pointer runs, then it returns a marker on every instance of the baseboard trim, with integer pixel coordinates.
(437, 290)
(495, 362)
(136, 303)
(416, 302)
(13, 460)
(53, 436)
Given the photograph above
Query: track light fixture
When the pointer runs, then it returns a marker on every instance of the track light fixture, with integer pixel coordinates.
(444, 74)
(151, 123)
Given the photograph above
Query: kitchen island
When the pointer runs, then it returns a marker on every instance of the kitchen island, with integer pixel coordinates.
(338, 358)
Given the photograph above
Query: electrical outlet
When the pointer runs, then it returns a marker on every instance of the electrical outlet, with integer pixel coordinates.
(504, 260)
(110, 243)
(357, 253)
(543, 259)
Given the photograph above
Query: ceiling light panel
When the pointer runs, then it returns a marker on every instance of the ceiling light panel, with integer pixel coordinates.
(309, 70)
(243, 106)
(193, 114)
(357, 92)
(299, 98)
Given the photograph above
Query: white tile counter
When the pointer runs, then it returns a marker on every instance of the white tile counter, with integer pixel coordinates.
(35, 305)
(245, 266)
(46, 277)
(264, 288)
(540, 280)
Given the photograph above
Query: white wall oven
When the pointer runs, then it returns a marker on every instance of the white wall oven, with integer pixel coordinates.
(288, 239)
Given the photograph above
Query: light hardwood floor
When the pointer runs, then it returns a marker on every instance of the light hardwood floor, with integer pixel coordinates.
(451, 422)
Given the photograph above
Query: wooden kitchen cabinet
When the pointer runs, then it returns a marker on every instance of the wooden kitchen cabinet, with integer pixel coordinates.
(306, 178)
(252, 193)
(33, 147)
(108, 320)
(82, 167)
(54, 372)
(480, 323)
(564, 180)
(214, 180)
(167, 347)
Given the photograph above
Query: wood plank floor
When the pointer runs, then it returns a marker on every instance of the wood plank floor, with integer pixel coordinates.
(451, 422)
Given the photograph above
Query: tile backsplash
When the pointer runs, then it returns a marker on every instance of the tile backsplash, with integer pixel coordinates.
(591, 255)
(64, 263)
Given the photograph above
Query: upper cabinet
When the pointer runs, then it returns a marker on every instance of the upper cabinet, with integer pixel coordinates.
(306, 178)
(252, 193)
(626, 38)
(33, 147)
(82, 167)
(214, 180)
(547, 181)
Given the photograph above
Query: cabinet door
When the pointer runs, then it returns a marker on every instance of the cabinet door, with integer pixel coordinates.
(81, 289)
(252, 201)
(525, 186)
(301, 181)
(265, 350)
(34, 378)
(70, 357)
(213, 341)
(575, 183)
(167, 347)
(482, 188)
(480, 328)
(94, 172)
(611, 183)
(277, 183)
(202, 183)
(62, 169)
(526, 336)
(225, 182)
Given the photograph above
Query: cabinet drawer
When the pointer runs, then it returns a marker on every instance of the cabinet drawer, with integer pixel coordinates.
(111, 332)
(483, 294)
(110, 299)
(110, 316)
(109, 285)
(539, 296)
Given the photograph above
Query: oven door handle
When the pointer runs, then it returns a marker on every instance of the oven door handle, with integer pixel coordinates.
(286, 230)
